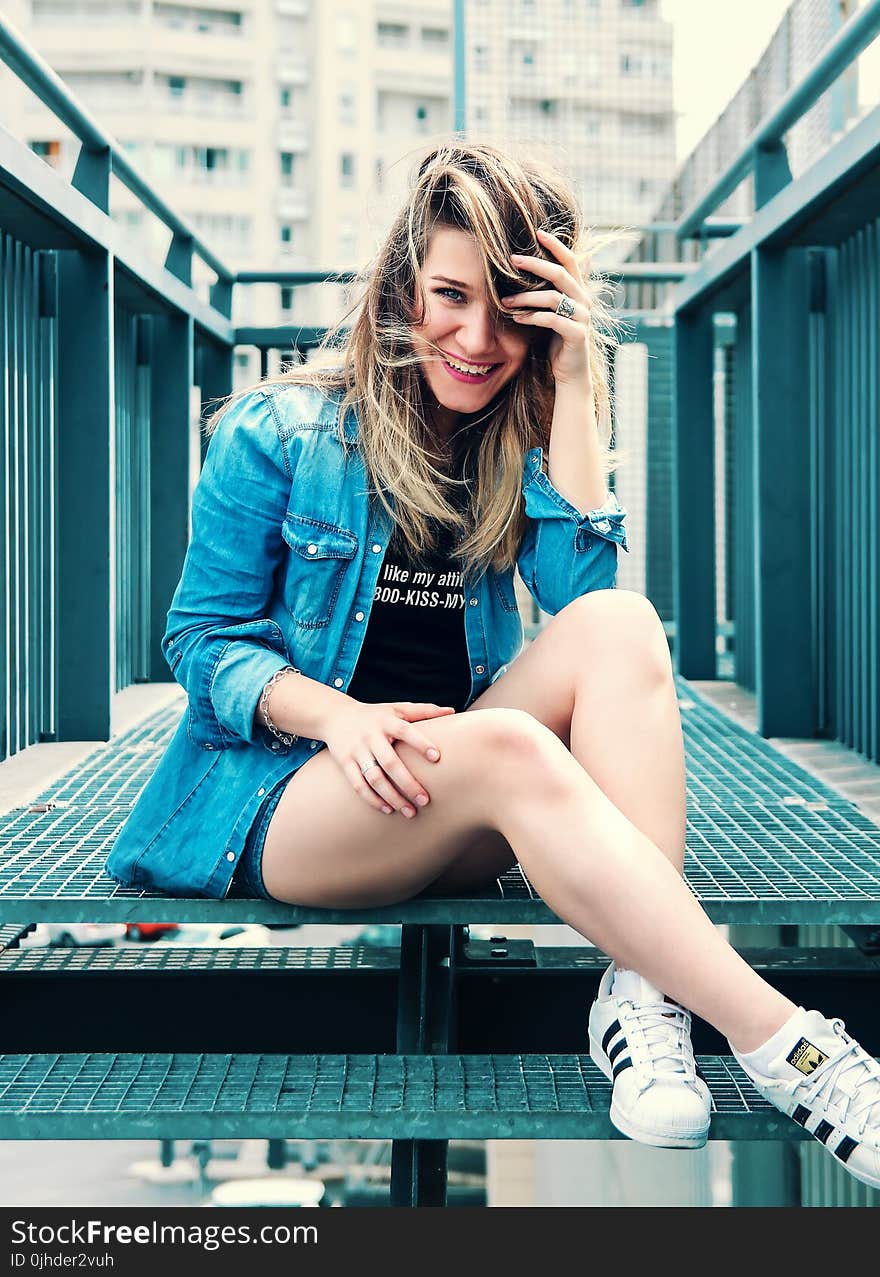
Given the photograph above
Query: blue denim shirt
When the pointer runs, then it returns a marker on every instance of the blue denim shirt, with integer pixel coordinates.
(285, 553)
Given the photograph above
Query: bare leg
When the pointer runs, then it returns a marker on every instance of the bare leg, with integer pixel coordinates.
(600, 677)
(612, 884)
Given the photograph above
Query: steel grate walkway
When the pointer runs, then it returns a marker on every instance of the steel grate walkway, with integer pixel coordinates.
(106, 1096)
(766, 843)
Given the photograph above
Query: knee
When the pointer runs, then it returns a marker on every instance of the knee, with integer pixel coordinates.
(621, 625)
(514, 743)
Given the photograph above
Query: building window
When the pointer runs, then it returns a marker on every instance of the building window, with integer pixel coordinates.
(392, 35)
(422, 122)
(481, 57)
(286, 163)
(285, 97)
(286, 233)
(176, 85)
(287, 298)
(522, 54)
(48, 151)
(346, 107)
(435, 37)
(380, 173)
(346, 169)
(187, 18)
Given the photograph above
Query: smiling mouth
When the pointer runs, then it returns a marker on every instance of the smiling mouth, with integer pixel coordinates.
(469, 370)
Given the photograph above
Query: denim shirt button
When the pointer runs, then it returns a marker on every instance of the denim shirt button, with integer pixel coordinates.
(208, 745)
(480, 669)
(313, 744)
(473, 602)
(337, 682)
(313, 549)
(376, 548)
(358, 616)
(230, 855)
(260, 792)
(603, 525)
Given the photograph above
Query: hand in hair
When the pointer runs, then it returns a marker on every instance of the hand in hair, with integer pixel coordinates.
(361, 732)
(571, 340)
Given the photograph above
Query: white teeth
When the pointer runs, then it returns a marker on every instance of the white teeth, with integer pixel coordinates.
(474, 372)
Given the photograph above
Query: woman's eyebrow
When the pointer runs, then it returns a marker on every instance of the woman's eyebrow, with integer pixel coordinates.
(455, 282)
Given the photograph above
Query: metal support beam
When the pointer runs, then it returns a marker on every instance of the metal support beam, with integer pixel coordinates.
(782, 582)
(772, 172)
(425, 1022)
(169, 471)
(86, 511)
(214, 375)
(693, 537)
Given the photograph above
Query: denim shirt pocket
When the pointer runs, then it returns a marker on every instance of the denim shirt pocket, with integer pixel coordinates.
(319, 555)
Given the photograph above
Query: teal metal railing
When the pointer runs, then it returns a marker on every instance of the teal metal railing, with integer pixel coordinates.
(27, 497)
(800, 503)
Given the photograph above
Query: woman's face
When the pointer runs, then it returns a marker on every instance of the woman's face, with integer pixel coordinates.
(460, 320)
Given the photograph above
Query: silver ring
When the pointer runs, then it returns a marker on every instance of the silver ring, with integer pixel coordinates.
(365, 767)
(565, 307)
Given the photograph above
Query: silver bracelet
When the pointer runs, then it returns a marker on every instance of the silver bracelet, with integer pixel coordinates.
(286, 738)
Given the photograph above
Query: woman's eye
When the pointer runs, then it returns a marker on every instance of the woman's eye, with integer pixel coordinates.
(445, 292)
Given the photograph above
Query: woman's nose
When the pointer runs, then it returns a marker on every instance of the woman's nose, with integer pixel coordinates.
(478, 332)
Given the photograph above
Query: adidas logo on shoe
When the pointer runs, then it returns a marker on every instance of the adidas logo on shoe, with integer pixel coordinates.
(829, 1085)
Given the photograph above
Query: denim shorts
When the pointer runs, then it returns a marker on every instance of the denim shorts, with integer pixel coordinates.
(248, 877)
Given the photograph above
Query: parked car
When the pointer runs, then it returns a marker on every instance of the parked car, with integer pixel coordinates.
(71, 934)
(236, 936)
(148, 930)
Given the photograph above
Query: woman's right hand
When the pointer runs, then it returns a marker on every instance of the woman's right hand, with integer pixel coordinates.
(361, 730)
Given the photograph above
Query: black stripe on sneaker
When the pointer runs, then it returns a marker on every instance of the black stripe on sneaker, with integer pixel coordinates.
(619, 1045)
(613, 1028)
(624, 1063)
(845, 1148)
(823, 1130)
(801, 1114)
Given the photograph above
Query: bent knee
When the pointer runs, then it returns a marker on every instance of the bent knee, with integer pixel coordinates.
(511, 735)
(622, 624)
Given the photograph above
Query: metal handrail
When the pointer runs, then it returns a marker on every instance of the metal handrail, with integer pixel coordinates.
(846, 46)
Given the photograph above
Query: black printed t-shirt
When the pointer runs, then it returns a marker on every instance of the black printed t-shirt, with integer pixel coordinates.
(414, 648)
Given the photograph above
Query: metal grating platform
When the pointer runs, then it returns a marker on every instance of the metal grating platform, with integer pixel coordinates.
(340, 1097)
(766, 843)
(142, 960)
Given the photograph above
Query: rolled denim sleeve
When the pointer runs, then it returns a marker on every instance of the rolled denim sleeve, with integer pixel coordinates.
(564, 553)
(219, 643)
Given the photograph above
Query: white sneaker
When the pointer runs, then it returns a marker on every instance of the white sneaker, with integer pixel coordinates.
(830, 1086)
(642, 1043)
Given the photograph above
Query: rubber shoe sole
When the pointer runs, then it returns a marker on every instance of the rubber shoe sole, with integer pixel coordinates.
(630, 1129)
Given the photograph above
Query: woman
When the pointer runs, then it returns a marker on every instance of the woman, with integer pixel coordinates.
(349, 587)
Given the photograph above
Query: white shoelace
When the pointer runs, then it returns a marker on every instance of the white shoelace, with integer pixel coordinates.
(848, 1081)
(663, 1030)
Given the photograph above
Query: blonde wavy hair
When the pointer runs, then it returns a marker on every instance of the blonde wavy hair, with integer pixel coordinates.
(501, 199)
